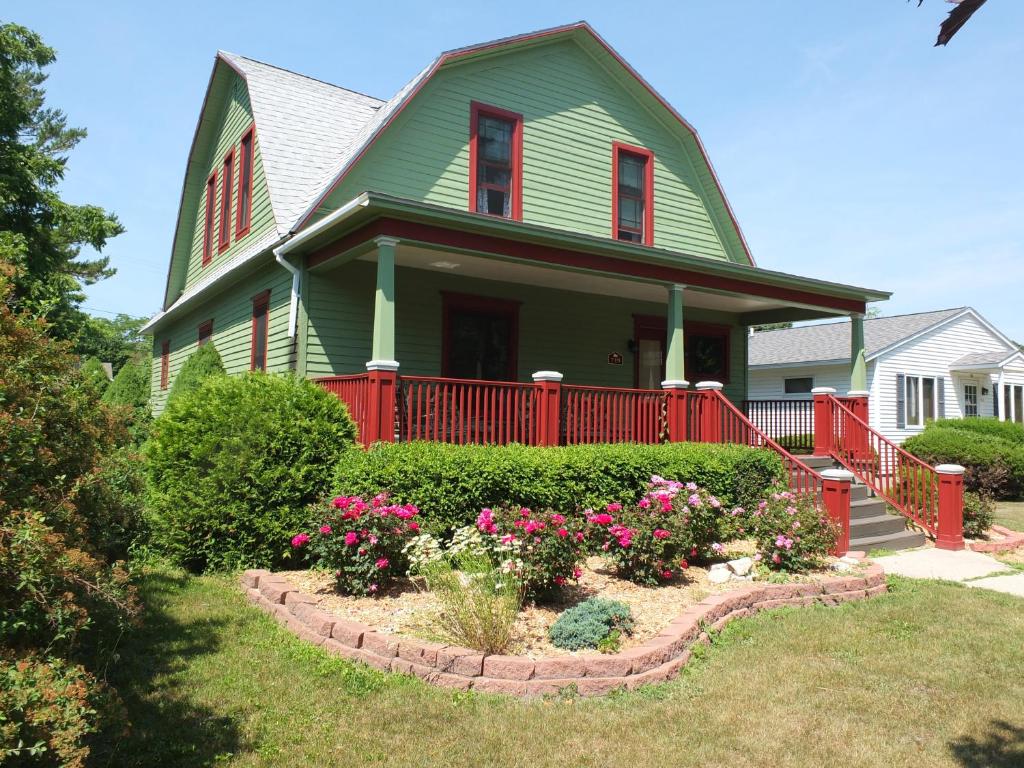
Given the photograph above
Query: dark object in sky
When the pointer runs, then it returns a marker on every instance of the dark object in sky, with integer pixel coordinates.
(956, 19)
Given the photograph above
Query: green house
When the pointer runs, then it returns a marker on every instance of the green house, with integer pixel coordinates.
(525, 205)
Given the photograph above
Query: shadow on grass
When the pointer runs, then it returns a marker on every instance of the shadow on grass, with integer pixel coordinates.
(1001, 747)
(164, 726)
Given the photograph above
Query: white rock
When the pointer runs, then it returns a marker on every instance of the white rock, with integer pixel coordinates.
(849, 560)
(741, 566)
(719, 573)
(841, 566)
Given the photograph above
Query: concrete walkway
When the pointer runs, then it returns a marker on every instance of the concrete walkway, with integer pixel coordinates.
(973, 569)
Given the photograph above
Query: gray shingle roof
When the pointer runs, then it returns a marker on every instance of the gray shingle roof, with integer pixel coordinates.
(831, 341)
(304, 128)
(983, 358)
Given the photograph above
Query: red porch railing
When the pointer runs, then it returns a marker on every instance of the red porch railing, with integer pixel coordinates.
(612, 415)
(466, 411)
(789, 422)
(354, 391)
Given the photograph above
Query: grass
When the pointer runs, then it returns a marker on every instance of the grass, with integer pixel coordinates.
(1010, 514)
(927, 675)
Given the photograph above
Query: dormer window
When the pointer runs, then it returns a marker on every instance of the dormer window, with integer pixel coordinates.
(244, 218)
(495, 159)
(633, 194)
(227, 174)
(211, 203)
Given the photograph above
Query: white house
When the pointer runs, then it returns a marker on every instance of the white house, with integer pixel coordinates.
(951, 364)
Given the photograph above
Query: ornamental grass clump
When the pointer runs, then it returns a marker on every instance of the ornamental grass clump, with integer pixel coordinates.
(793, 534)
(543, 549)
(363, 543)
(594, 623)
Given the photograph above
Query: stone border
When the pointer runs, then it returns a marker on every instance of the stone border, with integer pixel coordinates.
(657, 660)
(1010, 540)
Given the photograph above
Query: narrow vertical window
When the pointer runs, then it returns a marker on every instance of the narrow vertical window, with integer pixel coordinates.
(260, 327)
(244, 216)
(633, 194)
(205, 332)
(165, 363)
(227, 173)
(211, 203)
(495, 160)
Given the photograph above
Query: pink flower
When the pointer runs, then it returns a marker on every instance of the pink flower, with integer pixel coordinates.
(757, 558)
(666, 574)
(601, 519)
(300, 540)
(351, 539)
(559, 580)
(508, 538)
(382, 563)
(644, 503)
(576, 573)
(579, 536)
(776, 559)
(683, 564)
(533, 526)
(660, 533)
(557, 519)
(340, 502)
(325, 530)
(614, 507)
(717, 548)
(524, 512)
(562, 532)
(694, 500)
(414, 526)
(372, 589)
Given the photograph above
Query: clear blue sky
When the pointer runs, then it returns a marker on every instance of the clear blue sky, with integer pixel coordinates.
(850, 148)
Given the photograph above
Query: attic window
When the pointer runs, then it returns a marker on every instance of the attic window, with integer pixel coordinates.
(244, 217)
(496, 162)
(211, 201)
(633, 194)
(227, 174)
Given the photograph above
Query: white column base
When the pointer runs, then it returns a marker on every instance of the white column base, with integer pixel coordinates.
(382, 365)
(547, 376)
(675, 384)
(709, 385)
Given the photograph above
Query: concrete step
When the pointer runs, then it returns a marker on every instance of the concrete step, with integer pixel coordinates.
(878, 525)
(868, 507)
(818, 462)
(904, 540)
(859, 492)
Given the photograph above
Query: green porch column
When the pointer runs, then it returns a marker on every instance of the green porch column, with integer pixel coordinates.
(674, 356)
(383, 347)
(858, 368)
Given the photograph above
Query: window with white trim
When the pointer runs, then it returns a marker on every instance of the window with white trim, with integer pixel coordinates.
(922, 400)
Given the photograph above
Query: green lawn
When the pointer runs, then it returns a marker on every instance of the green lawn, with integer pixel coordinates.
(930, 675)
(1010, 514)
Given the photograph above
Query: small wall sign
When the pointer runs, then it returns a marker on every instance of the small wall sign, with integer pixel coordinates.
(614, 358)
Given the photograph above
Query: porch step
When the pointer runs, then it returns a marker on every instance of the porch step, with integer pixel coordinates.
(879, 525)
(904, 540)
(861, 509)
(818, 462)
(859, 492)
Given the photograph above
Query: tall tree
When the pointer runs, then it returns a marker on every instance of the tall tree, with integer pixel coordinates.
(41, 234)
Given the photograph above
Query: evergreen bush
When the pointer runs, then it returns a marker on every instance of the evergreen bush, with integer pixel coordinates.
(200, 365)
(588, 624)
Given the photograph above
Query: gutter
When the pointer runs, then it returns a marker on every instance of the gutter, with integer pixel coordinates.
(302, 237)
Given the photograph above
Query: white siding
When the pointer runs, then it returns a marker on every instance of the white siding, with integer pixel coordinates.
(769, 383)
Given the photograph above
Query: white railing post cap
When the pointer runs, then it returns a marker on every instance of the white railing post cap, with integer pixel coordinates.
(858, 393)
(950, 469)
(709, 385)
(842, 475)
(382, 365)
(823, 391)
(675, 384)
(547, 376)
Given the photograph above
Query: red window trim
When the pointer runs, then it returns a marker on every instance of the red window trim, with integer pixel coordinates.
(243, 229)
(711, 329)
(165, 363)
(451, 300)
(654, 327)
(211, 208)
(261, 301)
(648, 156)
(205, 333)
(227, 186)
(475, 110)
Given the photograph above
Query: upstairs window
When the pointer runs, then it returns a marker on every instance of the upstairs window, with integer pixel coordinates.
(632, 194)
(244, 216)
(205, 332)
(260, 317)
(227, 173)
(211, 202)
(495, 160)
(165, 363)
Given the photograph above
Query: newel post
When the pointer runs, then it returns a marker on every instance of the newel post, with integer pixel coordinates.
(675, 393)
(822, 421)
(835, 493)
(711, 411)
(548, 412)
(951, 507)
(858, 403)
(380, 421)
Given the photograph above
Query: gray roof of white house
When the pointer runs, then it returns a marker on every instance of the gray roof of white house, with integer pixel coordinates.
(830, 342)
(984, 358)
(305, 128)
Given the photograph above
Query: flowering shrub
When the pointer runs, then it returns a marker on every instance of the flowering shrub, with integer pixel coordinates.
(792, 532)
(363, 543)
(542, 548)
(654, 540)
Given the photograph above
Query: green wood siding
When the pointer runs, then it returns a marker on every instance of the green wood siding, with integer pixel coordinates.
(573, 109)
(231, 312)
(234, 117)
(558, 330)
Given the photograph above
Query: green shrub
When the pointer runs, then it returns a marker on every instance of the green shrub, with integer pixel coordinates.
(979, 512)
(95, 375)
(130, 391)
(451, 484)
(1005, 430)
(233, 466)
(201, 364)
(112, 504)
(994, 464)
(588, 624)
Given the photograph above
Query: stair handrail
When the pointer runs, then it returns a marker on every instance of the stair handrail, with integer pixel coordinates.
(921, 504)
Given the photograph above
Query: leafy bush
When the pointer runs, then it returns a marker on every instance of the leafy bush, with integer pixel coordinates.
(979, 512)
(362, 543)
(233, 466)
(130, 391)
(792, 533)
(987, 449)
(112, 503)
(479, 602)
(590, 623)
(200, 365)
(450, 483)
(543, 550)
(95, 375)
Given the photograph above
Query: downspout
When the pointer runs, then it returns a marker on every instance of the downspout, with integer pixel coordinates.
(298, 239)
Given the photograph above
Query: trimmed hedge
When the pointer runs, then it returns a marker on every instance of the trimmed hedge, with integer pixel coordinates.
(451, 483)
(992, 452)
(199, 366)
